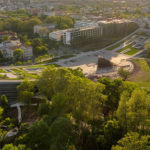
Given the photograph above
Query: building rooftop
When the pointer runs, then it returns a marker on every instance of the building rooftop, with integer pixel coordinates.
(60, 31)
(108, 21)
(45, 25)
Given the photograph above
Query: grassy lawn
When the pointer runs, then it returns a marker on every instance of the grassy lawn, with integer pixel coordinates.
(2, 71)
(142, 73)
(3, 76)
(16, 70)
(36, 66)
(43, 66)
(143, 64)
(132, 51)
(29, 75)
(22, 74)
(126, 47)
(114, 46)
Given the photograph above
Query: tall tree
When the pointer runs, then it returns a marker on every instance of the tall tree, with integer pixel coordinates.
(133, 141)
(18, 54)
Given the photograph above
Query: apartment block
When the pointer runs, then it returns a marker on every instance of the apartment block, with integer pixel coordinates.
(57, 35)
(8, 47)
(76, 35)
(102, 29)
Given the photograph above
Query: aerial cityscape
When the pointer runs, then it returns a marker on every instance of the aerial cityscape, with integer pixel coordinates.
(74, 74)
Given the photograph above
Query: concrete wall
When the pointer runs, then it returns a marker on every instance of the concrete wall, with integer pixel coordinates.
(9, 89)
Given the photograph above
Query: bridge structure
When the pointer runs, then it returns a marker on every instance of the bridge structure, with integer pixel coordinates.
(9, 88)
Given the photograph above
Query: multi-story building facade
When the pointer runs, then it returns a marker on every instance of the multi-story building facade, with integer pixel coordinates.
(27, 51)
(8, 47)
(57, 35)
(117, 27)
(76, 35)
(102, 29)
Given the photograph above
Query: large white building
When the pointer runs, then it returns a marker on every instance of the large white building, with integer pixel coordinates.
(70, 35)
(27, 51)
(73, 35)
(8, 48)
(85, 31)
(57, 35)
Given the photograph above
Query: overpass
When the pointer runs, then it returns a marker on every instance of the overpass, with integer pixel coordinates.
(9, 88)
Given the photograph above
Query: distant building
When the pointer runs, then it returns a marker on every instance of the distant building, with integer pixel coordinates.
(57, 35)
(7, 33)
(8, 47)
(43, 30)
(28, 52)
(49, 13)
(117, 27)
(77, 35)
(81, 24)
(86, 31)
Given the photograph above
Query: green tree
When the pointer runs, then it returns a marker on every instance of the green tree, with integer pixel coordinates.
(18, 54)
(138, 110)
(52, 81)
(2, 132)
(26, 97)
(133, 141)
(12, 147)
(133, 111)
(38, 136)
(112, 133)
(18, 63)
(30, 24)
(39, 46)
(61, 126)
(4, 103)
(73, 95)
(25, 92)
(122, 110)
(124, 74)
(113, 89)
(26, 85)
(6, 37)
(60, 22)
(16, 25)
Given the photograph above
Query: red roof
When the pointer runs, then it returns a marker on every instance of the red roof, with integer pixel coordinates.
(7, 33)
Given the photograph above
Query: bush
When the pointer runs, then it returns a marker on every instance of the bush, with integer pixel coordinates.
(124, 74)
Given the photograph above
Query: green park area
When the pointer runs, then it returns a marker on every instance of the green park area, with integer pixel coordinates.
(115, 46)
(124, 48)
(141, 74)
(131, 50)
(21, 73)
(2, 71)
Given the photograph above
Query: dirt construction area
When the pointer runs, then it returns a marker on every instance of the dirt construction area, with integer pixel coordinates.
(88, 62)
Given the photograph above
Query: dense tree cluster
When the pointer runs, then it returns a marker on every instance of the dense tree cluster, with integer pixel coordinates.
(77, 113)
(19, 26)
(60, 22)
(24, 29)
